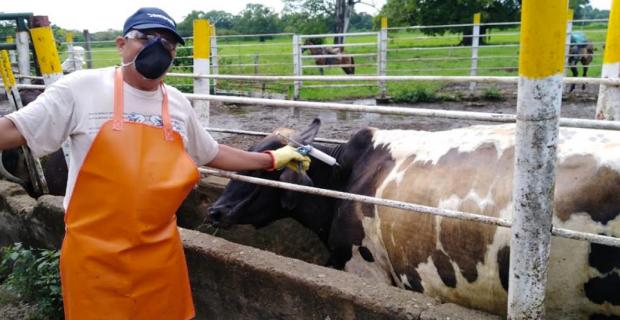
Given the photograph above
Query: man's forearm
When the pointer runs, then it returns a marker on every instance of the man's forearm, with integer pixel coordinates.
(10, 137)
(233, 159)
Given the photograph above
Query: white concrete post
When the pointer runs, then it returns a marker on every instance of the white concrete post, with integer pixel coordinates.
(215, 63)
(608, 106)
(202, 41)
(382, 58)
(22, 42)
(569, 30)
(541, 70)
(475, 43)
(297, 66)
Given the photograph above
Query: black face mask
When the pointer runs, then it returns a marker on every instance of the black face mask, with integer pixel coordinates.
(153, 60)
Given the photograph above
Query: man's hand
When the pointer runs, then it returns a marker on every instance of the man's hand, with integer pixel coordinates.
(289, 157)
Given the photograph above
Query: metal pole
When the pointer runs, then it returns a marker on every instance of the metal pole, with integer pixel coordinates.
(569, 30)
(215, 64)
(296, 66)
(87, 47)
(608, 105)
(541, 69)
(22, 41)
(475, 42)
(382, 61)
(202, 41)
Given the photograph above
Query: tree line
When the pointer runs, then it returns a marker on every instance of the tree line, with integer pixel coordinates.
(326, 16)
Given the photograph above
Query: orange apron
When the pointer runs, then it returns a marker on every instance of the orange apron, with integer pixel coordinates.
(122, 256)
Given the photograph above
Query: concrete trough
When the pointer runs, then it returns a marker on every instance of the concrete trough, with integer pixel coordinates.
(234, 281)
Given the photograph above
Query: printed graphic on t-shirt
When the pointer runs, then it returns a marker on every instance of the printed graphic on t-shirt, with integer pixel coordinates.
(98, 118)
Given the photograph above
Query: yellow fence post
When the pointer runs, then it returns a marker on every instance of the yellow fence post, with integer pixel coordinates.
(12, 56)
(45, 48)
(47, 57)
(608, 105)
(541, 70)
(569, 30)
(202, 47)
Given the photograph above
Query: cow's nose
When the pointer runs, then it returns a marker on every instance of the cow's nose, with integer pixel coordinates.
(216, 215)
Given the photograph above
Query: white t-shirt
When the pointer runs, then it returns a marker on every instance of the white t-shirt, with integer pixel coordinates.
(77, 105)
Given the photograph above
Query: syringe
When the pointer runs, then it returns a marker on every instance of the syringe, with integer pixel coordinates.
(312, 151)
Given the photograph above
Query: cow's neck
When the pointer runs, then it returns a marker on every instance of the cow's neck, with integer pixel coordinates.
(316, 213)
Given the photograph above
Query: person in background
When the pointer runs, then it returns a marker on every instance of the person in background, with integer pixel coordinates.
(135, 147)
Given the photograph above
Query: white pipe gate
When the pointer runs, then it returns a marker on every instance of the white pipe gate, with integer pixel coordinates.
(535, 117)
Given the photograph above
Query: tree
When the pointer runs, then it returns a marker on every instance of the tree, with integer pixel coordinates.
(343, 15)
(221, 19)
(433, 12)
(256, 19)
(308, 16)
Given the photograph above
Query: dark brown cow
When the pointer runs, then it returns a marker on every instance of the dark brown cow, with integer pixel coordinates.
(468, 169)
(346, 62)
(581, 51)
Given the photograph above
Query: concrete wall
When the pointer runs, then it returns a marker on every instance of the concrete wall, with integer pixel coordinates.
(233, 281)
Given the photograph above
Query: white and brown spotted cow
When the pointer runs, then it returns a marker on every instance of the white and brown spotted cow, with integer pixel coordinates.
(468, 169)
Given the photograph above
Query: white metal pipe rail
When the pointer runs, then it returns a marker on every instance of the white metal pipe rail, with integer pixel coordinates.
(264, 134)
(466, 115)
(354, 44)
(374, 55)
(465, 216)
(325, 35)
(479, 79)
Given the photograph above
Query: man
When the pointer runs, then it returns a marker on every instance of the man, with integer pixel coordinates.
(135, 144)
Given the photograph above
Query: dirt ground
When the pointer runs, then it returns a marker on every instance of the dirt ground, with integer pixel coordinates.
(341, 125)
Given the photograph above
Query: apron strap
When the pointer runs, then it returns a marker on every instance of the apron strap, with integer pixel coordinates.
(118, 107)
(117, 123)
(165, 115)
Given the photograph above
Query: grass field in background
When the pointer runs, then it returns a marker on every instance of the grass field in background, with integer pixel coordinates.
(409, 53)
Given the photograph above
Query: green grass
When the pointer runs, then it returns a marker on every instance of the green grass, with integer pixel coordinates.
(438, 55)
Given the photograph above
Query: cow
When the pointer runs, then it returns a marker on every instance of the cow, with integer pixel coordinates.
(581, 50)
(468, 169)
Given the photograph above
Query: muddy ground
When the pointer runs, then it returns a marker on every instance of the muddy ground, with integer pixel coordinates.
(341, 125)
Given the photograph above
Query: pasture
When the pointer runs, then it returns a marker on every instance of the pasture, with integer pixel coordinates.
(410, 52)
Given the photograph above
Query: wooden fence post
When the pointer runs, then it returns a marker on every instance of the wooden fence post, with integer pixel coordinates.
(22, 42)
(88, 49)
(215, 63)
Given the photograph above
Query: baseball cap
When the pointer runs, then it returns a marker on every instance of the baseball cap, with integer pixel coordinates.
(152, 18)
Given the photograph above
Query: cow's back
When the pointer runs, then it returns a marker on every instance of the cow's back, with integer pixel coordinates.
(471, 170)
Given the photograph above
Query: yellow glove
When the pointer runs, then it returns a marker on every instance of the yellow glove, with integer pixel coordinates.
(289, 157)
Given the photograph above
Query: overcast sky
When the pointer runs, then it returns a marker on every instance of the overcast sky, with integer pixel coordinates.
(102, 15)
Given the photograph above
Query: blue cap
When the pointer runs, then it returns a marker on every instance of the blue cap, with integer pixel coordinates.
(152, 18)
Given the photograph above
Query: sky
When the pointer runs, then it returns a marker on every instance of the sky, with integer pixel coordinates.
(111, 14)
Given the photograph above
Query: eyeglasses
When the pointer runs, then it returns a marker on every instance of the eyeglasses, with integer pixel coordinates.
(170, 45)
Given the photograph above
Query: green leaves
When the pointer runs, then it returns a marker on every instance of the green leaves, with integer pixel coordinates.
(33, 274)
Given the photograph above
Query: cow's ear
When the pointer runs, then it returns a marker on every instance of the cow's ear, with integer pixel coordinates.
(308, 135)
(290, 199)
